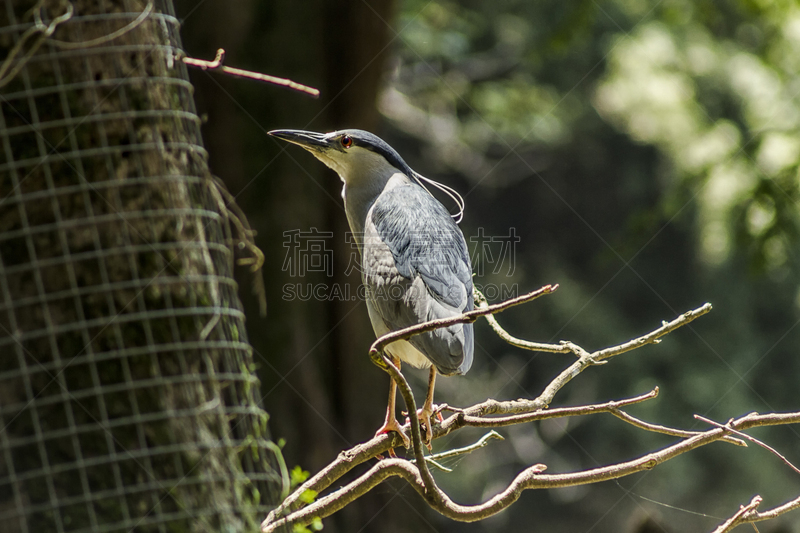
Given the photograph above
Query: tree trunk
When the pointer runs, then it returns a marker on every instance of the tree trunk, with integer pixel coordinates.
(127, 393)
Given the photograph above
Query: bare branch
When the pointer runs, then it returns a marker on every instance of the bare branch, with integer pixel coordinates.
(470, 316)
(482, 303)
(466, 419)
(344, 462)
(653, 336)
(656, 428)
(530, 478)
(480, 443)
(564, 346)
(736, 519)
(216, 64)
(431, 491)
(751, 439)
(380, 444)
(516, 411)
(485, 414)
(519, 411)
(585, 359)
(349, 459)
(774, 512)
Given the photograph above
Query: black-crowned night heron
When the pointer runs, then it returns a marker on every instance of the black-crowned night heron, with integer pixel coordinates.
(414, 259)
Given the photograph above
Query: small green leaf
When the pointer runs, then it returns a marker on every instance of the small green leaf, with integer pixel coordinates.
(308, 496)
(298, 476)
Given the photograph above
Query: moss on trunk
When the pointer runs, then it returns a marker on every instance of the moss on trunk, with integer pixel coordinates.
(126, 383)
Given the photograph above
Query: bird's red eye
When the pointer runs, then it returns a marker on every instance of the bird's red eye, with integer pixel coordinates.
(347, 141)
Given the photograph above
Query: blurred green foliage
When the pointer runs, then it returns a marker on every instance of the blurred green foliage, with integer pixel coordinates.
(712, 85)
(647, 154)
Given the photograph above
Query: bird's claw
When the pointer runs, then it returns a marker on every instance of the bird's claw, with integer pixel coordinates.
(394, 425)
(424, 417)
(391, 453)
(426, 420)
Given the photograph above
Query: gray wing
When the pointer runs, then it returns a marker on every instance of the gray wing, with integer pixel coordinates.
(417, 268)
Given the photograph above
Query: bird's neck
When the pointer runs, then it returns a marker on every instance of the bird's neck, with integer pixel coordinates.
(360, 195)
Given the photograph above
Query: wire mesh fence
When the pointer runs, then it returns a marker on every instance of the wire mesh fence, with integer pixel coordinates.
(128, 399)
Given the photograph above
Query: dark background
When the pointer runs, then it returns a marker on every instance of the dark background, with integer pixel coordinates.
(645, 154)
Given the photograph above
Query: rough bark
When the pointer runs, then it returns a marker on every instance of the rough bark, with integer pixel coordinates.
(127, 396)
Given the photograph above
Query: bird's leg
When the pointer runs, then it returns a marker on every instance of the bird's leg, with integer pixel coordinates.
(427, 410)
(391, 423)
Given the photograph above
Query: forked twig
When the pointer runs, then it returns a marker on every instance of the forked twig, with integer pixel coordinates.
(751, 439)
(469, 316)
(743, 511)
(657, 428)
(216, 64)
(750, 515)
(480, 443)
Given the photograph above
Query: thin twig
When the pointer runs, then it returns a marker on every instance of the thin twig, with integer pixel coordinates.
(751, 439)
(434, 463)
(468, 419)
(586, 359)
(736, 519)
(482, 303)
(480, 443)
(657, 428)
(774, 512)
(517, 411)
(216, 64)
(653, 336)
(469, 316)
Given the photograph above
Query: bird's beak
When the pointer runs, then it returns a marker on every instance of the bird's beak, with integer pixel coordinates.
(307, 139)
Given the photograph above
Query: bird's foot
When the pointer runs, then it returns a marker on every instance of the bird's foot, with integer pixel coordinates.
(424, 416)
(393, 425)
(391, 453)
(435, 410)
